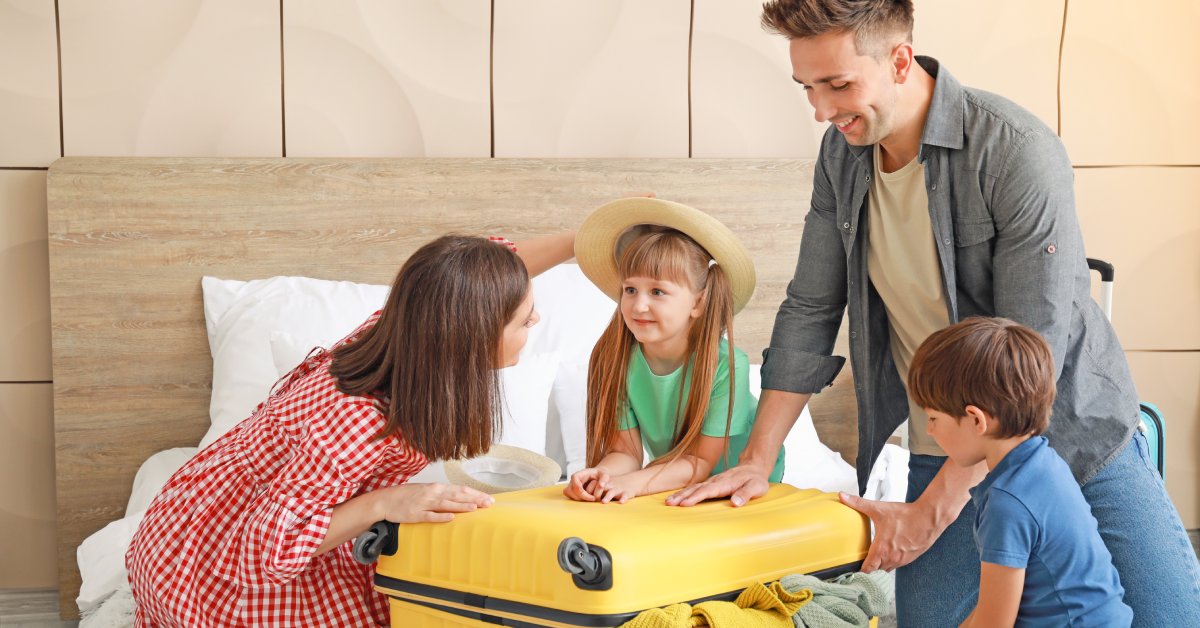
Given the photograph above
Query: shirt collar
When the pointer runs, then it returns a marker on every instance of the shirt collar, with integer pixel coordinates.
(944, 122)
(1015, 458)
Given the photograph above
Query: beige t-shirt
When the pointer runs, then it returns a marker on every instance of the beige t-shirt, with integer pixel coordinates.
(902, 263)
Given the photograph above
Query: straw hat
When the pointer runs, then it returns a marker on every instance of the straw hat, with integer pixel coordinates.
(609, 229)
(504, 468)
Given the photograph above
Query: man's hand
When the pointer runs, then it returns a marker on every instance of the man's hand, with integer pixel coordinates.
(902, 531)
(743, 482)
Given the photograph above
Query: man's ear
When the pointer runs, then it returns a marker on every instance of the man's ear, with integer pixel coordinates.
(982, 420)
(902, 61)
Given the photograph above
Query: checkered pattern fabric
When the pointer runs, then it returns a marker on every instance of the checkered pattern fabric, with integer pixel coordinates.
(230, 539)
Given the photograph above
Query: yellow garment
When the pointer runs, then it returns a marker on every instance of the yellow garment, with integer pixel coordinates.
(756, 607)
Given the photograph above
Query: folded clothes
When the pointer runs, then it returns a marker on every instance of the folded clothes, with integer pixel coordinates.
(850, 600)
(757, 607)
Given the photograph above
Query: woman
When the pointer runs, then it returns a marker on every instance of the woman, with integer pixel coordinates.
(254, 529)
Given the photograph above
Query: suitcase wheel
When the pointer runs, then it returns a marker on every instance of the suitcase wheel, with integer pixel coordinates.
(379, 539)
(590, 566)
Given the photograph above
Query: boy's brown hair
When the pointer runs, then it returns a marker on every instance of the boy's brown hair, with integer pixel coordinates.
(875, 23)
(997, 365)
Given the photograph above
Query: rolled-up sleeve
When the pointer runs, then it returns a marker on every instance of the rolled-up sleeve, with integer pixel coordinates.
(799, 357)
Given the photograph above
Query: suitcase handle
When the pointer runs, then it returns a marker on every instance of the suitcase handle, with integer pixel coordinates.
(1106, 270)
(379, 539)
(590, 566)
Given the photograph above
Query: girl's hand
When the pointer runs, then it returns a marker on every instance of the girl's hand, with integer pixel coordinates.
(620, 489)
(420, 503)
(586, 483)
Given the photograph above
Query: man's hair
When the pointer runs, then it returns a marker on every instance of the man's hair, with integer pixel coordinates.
(1001, 367)
(875, 23)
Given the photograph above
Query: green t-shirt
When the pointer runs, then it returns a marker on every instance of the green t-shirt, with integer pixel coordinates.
(653, 400)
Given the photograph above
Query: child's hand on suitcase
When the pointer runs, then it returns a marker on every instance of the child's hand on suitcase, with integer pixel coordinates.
(421, 503)
(620, 489)
(586, 483)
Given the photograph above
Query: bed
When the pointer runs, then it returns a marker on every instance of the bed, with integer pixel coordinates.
(130, 240)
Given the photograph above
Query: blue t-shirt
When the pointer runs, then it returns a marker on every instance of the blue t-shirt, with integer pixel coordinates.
(1032, 516)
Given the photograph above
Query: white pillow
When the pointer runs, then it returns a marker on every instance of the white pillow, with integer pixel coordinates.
(240, 316)
(809, 463)
(574, 313)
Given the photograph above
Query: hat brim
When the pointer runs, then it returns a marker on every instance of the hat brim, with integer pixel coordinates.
(597, 239)
(510, 469)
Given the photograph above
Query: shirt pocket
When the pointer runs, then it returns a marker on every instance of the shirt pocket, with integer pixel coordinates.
(970, 232)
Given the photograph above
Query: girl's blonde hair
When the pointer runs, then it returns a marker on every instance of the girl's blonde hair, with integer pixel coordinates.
(665, 254)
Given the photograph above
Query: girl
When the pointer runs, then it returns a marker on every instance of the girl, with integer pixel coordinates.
(662, 376)
(253, 530)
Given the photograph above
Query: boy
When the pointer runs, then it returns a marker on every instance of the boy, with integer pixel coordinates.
(988, 385)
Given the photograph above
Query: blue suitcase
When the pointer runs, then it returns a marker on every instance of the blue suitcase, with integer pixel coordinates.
(1152, 419)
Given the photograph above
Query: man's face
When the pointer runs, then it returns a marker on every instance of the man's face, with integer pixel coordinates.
(856, 93)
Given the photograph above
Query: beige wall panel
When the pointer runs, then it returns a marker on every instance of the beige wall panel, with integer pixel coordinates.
(27, 487)
(28, 84)
(24, 278)
(1171, 381)
(188, 77)
(1146, 221)
(1010, 47)
(575, 78)
(744, 102)
(1129, 89)
(378, 78)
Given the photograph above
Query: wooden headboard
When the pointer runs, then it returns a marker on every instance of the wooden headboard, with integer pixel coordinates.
(130, 239)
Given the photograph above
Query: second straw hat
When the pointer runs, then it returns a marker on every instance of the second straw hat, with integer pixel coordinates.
(606, 232)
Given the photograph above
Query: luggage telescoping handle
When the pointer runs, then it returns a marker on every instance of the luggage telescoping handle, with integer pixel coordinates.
(1107, 273)
(590, 566)
(379, 539)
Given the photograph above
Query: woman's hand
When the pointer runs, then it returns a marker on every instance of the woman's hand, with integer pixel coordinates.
(586, 483)
(420, 503)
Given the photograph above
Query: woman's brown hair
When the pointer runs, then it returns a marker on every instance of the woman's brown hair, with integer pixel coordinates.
(668, 254)
(431, 359)
(994, 364)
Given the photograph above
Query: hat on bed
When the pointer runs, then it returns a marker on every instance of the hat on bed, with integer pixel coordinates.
(503, 468)
(609, 229)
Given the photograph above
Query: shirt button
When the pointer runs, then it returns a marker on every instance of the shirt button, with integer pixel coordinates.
(868, 178)
(853, 334)
(933, 187)
(845, 225)
(1051, 249)
(946, 241)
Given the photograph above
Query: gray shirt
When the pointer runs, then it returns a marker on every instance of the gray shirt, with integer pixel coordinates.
(1002, 208)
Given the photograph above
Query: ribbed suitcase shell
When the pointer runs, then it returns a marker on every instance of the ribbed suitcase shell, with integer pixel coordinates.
(501, 564)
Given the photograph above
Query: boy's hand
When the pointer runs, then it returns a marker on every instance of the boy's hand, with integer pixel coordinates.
(902, 532)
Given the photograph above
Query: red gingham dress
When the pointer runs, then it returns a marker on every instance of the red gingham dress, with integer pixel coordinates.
(229, 541)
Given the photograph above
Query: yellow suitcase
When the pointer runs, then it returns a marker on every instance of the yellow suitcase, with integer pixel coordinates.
(537, 559)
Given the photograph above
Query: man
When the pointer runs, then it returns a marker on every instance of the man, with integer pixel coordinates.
(932, 203)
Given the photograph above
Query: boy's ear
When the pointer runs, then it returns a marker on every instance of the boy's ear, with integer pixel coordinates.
(982, 420)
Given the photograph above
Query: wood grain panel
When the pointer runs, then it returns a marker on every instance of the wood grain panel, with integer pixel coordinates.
(130, 239)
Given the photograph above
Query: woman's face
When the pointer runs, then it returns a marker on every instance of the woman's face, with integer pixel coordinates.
(516, 331)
